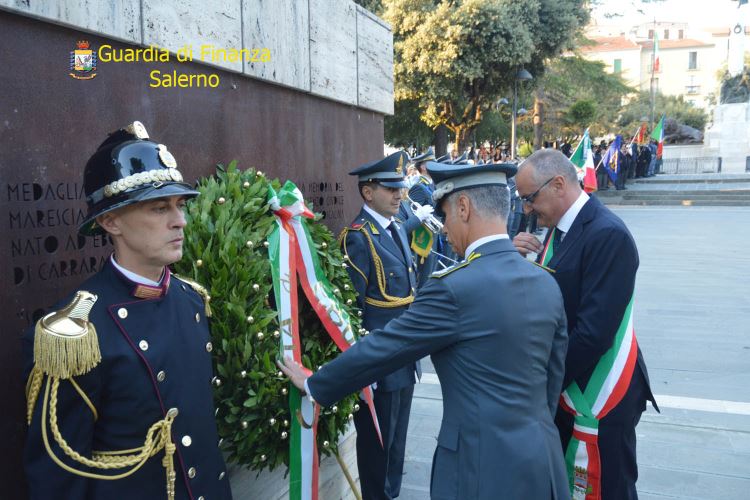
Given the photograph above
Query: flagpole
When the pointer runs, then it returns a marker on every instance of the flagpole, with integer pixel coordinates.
(653, 60)
(635, 135)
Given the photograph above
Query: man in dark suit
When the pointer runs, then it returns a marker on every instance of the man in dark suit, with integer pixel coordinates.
(594, 260)
(495, 327)
(380, 265)
(130, 354)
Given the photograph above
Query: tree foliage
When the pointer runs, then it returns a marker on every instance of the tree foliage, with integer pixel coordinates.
(580, 93)
(405, 128)
(456, 58)
(225, 251)
(672, 106)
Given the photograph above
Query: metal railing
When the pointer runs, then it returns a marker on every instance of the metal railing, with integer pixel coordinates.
(691, 165)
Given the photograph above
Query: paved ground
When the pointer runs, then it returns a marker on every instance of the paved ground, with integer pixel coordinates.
(692, 312)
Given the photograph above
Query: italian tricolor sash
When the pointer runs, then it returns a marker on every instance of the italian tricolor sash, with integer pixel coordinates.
(293, 257)
(605, 389)
(549, 249)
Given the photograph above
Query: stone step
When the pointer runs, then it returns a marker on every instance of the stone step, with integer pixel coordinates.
(739, 194)
(686, 202)
(701, 196)
(694, 179)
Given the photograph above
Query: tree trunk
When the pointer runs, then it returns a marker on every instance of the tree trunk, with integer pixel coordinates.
(538, 118)
(441, 141)
(463, 138)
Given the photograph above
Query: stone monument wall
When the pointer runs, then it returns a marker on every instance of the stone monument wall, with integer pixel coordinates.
(310, 114)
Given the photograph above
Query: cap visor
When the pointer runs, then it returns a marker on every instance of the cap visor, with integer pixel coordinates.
(164, 191)
(392, 184)
(89, 227)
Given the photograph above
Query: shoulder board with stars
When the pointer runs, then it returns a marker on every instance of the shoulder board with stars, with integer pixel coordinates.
(455, 267)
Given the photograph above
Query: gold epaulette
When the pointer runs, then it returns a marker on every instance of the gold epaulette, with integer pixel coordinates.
(65, 342)
(200, 290)
(66, 346)
(445, 272)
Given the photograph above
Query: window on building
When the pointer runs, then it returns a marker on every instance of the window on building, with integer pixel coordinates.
(618, 65)
(650, 34)
(681, 34)
(666, 34)
(692, 87)
(692, 60)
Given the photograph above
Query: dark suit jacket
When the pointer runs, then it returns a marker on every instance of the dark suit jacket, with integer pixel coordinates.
(498, 350)
(155, 356)
(595, 266)
(400, 279)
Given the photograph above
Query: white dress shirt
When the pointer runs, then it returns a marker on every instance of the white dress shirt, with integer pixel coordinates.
(570, 215)
(137, 278)
(383, 222)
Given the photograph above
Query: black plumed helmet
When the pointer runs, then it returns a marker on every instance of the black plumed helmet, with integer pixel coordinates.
(129, 168)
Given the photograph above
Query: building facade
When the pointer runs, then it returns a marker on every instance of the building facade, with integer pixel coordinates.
(690, 60)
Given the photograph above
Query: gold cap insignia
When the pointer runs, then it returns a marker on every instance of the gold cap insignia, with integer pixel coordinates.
(166, 157)
(137, 129)
(400, 166)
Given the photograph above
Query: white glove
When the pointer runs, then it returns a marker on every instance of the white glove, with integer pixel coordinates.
(424, 212)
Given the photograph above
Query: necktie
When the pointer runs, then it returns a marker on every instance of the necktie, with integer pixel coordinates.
(393, 229)
(557, 238)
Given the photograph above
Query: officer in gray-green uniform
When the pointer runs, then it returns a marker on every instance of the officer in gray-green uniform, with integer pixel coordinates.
(496, 330)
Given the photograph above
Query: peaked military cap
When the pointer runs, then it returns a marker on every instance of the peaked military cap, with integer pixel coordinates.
(388, 172)
(128, 168)
(450, 178)
(461, 160)
(427, 156)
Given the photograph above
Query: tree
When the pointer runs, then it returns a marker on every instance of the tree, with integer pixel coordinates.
(405, 128)
(580, 94)
(456, 58)
(672, 106)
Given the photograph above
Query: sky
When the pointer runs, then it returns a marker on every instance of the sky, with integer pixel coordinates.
(694, 12)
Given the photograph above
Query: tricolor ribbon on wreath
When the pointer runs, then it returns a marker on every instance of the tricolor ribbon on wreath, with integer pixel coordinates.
(294, 260)
(605, 389)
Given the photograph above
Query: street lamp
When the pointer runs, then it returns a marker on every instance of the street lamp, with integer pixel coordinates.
(521, 75)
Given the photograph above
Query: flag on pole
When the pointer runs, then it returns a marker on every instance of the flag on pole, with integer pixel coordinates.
(583, 159)
(658, 136)
(641, 134)
(611, 160)
(656, 53)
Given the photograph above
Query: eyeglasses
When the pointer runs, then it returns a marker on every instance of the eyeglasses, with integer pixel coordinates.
(529, 199)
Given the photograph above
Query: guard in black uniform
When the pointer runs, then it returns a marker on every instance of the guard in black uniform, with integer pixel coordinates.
(380, 266)
(119, 399)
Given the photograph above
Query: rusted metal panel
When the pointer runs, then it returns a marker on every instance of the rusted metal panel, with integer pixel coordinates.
(50, 124)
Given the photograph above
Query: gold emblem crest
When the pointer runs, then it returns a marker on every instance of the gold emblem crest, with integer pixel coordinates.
(166, 157)
(137, 129)
(400, 166)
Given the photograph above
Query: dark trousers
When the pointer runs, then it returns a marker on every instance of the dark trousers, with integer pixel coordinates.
(381, 468)
(617, 451)
(602, 178)
(620, 183)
